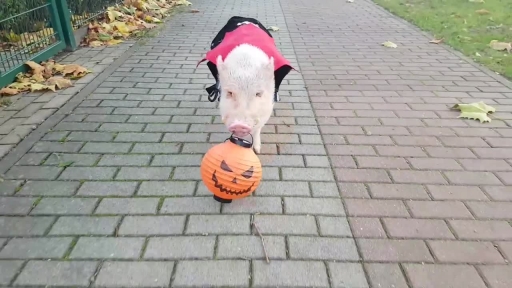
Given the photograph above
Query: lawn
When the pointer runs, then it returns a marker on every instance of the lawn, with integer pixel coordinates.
(466, 25)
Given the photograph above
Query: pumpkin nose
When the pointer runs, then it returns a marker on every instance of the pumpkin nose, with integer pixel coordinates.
(234, 180)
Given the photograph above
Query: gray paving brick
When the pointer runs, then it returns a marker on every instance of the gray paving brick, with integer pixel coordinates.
(24, 226)
(167, 188)
(334, 226)
(90, 136)
(16, 205)
(9, 269)
(88, 173)
(85, 225)
(270, 205)
(236, 247)
(192, 205)
(121, 127)
(65, 206)
(155, 148)
(144, 173)
(106, 147)
(138, 137)
(347, 275)
(9, 187)
(26, 248)
(282, 188)
(124, 160)
(320, 248)
(134, 274)
(49, 188)
(76, 126)
(57, 273)
(104, 188)
(74, 159)
(218, 273)
(319, 206)
(32, 159)
(152, 225)
(433, 276)
(107, 248)
(286, 224)
(176, 160)
(385, 275)
(290, 274)
(180, 247)
(33, 172)
(127, 206)
(324, 189)
(218, 224)
(308, 174)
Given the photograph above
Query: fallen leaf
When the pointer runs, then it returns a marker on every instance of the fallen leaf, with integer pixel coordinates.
(476, 110)
(40, 87)
(74, 69)
(482, 12)
(389, 44)
(95, 44)
(114, 42)
(436, 41)
(36, 68)
(194, 11)
(500, 46)
(477, 1)
(60, 82)
(273, 28)
(6, 91)
(477, 54)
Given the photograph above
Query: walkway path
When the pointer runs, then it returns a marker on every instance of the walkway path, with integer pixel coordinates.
(422, 199)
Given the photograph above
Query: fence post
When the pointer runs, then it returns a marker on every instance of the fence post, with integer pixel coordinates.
(65, 24)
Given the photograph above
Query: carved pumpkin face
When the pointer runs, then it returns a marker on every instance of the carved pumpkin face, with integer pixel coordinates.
(230, 171)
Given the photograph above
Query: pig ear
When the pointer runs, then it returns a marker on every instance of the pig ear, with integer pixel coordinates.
(220, 63)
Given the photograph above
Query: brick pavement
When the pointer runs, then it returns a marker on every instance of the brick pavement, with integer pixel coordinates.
(369, 179)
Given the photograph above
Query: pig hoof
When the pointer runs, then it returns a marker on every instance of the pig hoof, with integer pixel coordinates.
(257, 149)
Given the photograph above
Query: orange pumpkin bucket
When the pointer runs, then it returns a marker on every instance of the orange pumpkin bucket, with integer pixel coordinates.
(231, 170)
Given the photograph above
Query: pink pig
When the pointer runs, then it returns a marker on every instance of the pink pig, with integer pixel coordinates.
(248, 70)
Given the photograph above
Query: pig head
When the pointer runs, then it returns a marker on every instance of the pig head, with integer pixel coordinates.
(246, 79)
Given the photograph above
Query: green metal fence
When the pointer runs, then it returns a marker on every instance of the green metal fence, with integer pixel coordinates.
(39, 29)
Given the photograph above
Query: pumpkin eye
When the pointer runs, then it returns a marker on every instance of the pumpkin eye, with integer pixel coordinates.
(248, 174)
(224, 166)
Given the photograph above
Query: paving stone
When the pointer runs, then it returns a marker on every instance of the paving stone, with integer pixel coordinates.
(218, 273)
(439, 209)
(322, 248)
(434, 276)
(334, 226)
(282, 188)
(439, 192)
(90, 136)
(152, 225)
(264, 205)
(49, 188)
(491, 210)
(417, 228)
(9, 187)
(180, 247)
(286, 224)
(167, 188)
(65, 206)
(318, 206)
(385, 275)
(105, 188)
(26, 248)
(187, 205)
(176, 160)
(144, 173)
(9, 269)
(235, 247)
(125, 206)
(481, 230)
(85, 225)
(33, 173)
(73, 159)
(32, 159)
(88, 173)
(497, 276)
(107, 248)
(134, 274)
(384, 250)
(289, 274)
(4, 149)
(24, 226)
(16, 205)
(465, 252)
(398, 191)
(347, 275)
(106, 147)
(57, 273)
(367, 227)
(218, 224)
(324, 189)
(376, 208)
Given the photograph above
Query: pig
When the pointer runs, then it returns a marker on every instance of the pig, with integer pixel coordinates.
(248, 70)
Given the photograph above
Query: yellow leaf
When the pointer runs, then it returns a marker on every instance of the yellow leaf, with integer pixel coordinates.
(75, 69)
(476, 110)
(114, 42)
(273, 28)
(20, 86)
(60, 82)
(500, 46)
(436, 41)
(59, 67)
(482, 12)
(113, 15)
(39, 87)
(37, 77)
(95, 43)
(389, 44)
(8, 91)
(36, 68)
(183, 2)
(121, 27)
(104, 37)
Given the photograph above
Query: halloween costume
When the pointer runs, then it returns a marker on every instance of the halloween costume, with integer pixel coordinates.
(241, 30)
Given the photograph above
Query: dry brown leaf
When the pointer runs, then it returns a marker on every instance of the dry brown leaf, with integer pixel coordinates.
(482, 12)
(60, 82)
(436, 41)
(194, 11)
(74, 69)
(36, 68)
(500, 46)
(6, 91)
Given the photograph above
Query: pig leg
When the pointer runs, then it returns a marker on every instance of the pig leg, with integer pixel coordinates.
(257, 139)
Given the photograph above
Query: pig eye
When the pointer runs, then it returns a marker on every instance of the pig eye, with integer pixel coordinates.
(229, 94)
(258, 94)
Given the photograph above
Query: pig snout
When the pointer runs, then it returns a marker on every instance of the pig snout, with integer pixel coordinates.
(239, 129)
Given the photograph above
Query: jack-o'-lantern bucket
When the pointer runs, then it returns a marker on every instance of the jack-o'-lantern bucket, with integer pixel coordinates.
(231, 170)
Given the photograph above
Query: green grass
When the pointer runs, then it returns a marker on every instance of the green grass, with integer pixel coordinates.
(461, 27)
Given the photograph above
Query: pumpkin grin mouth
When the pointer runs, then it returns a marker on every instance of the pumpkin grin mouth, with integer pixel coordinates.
(227, 190)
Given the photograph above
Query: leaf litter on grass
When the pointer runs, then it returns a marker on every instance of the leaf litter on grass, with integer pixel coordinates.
(131, 18)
